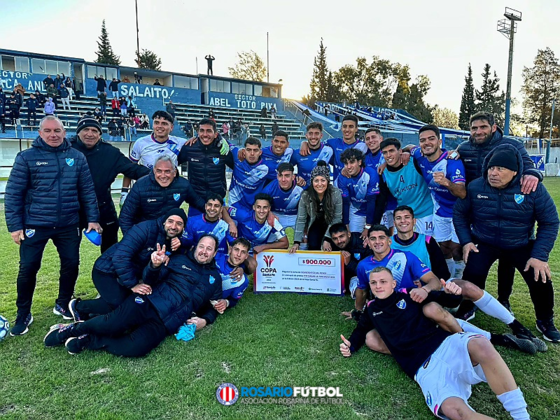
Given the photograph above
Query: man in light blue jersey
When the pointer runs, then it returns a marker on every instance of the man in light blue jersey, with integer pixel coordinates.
(234, 283)
(406, 184)
(317, 151)
(359, 191)
(446, 180)
(285, 194)
(254, 225)
(249, 176)
(209, 223)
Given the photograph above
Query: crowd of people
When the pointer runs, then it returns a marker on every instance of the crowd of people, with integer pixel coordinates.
(418, 228)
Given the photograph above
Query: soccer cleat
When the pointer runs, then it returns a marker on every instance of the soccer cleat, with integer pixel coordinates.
(76, 345)
(466, 316)
(521, 344)
(74, 311)
(21, 326)
(520, 331)
(548, 330)
(58, 334)
(60, 311)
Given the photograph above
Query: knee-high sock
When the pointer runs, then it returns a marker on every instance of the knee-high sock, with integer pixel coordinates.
(515, 404)
(451, 266)
(490, 306)
(459, 268)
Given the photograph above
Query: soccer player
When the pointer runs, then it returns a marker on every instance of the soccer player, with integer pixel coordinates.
(443, 363)
(210, 222)
(147, 149)
(406, 184)
(234, 283)
(249, 176)
(373, 156)
(254, 226)
(285, 194)
(359, 192)
(446, 180)
(317, 151)
(424, 247)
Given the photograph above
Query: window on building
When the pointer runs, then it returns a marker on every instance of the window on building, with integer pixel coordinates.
(38, 66)
(220, 86)
(270, 92)
(242, 88)
(186, 82)
(258, 90)
(110, 73)
(8, 63)
(22, 64)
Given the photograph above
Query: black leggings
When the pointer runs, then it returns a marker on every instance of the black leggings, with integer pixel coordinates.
(315, 234)
(111, 292)
(133, 329)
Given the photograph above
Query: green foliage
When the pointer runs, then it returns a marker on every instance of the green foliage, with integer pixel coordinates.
(148, 60)
(468, 105)
(250, 66)
(489, 98)
(540, 85)
(445, 117)
(319, 82)
(105, 54)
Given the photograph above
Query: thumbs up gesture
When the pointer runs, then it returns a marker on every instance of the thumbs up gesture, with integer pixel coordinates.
(345, 347)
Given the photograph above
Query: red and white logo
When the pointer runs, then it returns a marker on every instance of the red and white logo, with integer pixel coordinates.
(268, 259)
(227, 394)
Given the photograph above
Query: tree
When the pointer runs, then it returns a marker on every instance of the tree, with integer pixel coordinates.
(249, 67)
(444, 117)
(540, 86)
(148, 60)
(320, 80)
(411, 97)
(105, 54)
(468, 105)
(489, 98)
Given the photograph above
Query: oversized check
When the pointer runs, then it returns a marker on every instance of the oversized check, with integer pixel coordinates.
(301, 272)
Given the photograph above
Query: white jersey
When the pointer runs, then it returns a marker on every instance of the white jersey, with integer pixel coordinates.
(146, 150)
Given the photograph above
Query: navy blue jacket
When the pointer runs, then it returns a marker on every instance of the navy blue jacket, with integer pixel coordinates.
(127, 258)
(181, 287)
(505, 217)
(473, 155)
(48, 186)
(32, 104)
(148, 200)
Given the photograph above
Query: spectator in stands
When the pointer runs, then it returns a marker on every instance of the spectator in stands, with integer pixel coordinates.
(274, 128)
(52, 92)
(157, 83)
(225, 130)
(114, 87)
(115, 106)
(19, 89)
(264, 112)
(98, 115)
(14, 108)
(121, 122)
(2, 115)
(130, 109)
(70, 86)
(113, 130)
(170, 107)
(101, 84)
(50, 107)
(2, 94)
(103, 103)
(137, 78)
(132, 127)
(123, 108)
(131, 100)
(209, 60)
(47, 81)
(32, 109)
(187, 129)
(126, 79)
(211, 114)
(262, 131)
(58, 81)
(64, 96)
(273, 112)
(145, 122)
(40, 99)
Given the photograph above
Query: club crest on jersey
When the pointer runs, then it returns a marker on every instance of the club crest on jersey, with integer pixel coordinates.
(216, 160)
(70, 161)
(30, 233)
(401, 304)
(429, 399)
(211, 279)
(139, 300)
(357, 256)
(176, 196)
(519, 198)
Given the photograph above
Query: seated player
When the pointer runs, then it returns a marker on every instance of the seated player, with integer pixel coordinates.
(209, 222)
(173, 288)
(234, 283)
(359, 188)
(352, 248)
(255, 227)
(249, 175)
(444, 363)
(285, 194)
(423, 246)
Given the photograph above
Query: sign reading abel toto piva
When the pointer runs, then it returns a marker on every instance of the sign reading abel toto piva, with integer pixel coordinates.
(301, 272)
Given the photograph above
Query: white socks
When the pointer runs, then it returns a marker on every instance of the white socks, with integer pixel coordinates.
(490, 306)
(515, 404)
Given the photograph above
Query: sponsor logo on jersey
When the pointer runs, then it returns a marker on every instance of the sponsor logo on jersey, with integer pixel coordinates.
(401, 304)
(30, 233)
(151, 200)
(176, 196)
(139, 300)
(227, 394)
(519, 198)
(70, 161)
(41, 163)
(481, 196)
(184, 267)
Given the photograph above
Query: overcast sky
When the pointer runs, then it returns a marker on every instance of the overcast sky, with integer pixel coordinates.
(436, 38)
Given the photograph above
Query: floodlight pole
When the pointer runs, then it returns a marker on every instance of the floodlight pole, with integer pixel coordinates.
(267, 61)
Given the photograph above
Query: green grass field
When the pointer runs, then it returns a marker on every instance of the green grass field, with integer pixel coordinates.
(267, 340)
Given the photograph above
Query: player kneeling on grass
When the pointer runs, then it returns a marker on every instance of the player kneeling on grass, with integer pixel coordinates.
(173, 288)
(234, 282)
(445, 364)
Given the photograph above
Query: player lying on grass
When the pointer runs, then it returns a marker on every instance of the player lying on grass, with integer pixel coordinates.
(443, 361)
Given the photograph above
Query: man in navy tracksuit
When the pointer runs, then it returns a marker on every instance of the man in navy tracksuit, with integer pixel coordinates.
(171, 292)
(48, 185)
(495, 222)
